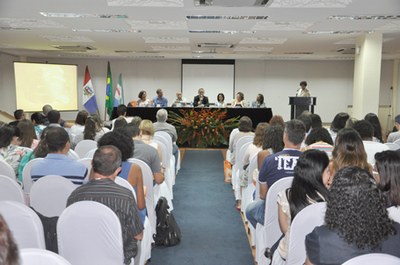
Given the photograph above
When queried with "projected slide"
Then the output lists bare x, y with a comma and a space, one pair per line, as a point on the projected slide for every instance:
214, 78
39, 84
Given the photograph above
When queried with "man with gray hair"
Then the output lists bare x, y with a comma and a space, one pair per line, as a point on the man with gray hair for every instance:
162, 125
106, 165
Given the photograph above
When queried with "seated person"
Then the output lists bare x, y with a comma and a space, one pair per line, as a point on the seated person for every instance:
131, 172
79, 125
239, 101
19, 115
245, 129
259, 103
38, 122
145, 152
142, 101
366, 131
320, 138
276, 167
201, 100
395, 135
179, 101
101, 188
220, 101
310, 185
160, 100
91, 132
46, 110
57, 162
121, 113
356, 221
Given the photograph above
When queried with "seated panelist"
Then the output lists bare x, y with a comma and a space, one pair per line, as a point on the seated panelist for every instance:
239, 101
201, 100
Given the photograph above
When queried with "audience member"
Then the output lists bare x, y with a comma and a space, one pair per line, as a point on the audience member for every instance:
119, 123
306, 119
160, 100
146, 135
99, 124
121, 114
145, 152
320, 138
356, 221
239, 101
348, 151
245, 129
101, 188
366, 131
277, 120
91, 132
136, 120
374, 120
259, 103
303, 90
201, 100
387, 175
163, 126
338, 123
277, 166
8, 248
79, 125
129, 171
272, 143
38, 122
316, 121
57, 162
27, 134
220, 101
46, 110
54, 118
310, 185
396, 134
10, 150
350, 122
19, 115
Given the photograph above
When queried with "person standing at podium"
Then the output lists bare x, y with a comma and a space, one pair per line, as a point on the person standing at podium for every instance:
201, 100
303, 91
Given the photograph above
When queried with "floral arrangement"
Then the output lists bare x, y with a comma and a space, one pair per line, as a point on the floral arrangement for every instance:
205, 127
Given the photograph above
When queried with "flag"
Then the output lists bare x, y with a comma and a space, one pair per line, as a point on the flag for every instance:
109, 92
89, 98
119, 93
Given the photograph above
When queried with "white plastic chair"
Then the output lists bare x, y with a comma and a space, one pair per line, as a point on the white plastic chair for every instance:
90, 233
373, 259
24, 224
392, 146
10, 190
124, 183
90, 154
27, 181
7, 170
238, 167
397, 142
394, 213
73, 155
270, 232
35, 256
84, 146
88, 164
231, 136
148, 183
49, 194
303, 224
165, 138
235, 168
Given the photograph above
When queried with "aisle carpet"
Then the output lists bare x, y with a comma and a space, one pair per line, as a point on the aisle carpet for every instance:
213, 231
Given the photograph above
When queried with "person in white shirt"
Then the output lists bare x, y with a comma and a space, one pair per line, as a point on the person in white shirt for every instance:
366, 131
395, 135
220, 101
303, 91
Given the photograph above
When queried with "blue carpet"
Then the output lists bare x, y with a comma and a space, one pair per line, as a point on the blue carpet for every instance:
212, 229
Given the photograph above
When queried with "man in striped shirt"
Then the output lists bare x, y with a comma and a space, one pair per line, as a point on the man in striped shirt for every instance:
106, 165
57, 162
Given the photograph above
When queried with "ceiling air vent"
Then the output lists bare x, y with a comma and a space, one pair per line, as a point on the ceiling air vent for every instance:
231, 3
74, 48
215, 45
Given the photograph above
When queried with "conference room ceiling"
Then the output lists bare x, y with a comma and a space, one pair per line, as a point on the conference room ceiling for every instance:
205, 29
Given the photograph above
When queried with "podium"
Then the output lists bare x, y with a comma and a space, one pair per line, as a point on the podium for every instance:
300, 104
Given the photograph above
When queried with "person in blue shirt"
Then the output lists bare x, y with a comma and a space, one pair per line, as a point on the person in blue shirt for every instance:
160, 100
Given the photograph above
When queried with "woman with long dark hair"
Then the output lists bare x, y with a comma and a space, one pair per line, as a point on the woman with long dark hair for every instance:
356, 221
374, 120
311, 176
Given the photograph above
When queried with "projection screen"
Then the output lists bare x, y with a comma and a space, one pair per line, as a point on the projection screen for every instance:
38, 84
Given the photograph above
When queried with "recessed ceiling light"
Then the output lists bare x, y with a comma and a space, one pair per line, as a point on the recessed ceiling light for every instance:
107, 30
151, 3
157, 24
56, 38
279, 26
253, 49
171, 48
81, 15
337, 32
166, 39
197, 17
251, 40
371, 17
19, 23
222, 31
310, 3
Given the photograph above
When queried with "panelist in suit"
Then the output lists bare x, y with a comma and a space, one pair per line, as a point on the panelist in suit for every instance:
200, 100
303, 91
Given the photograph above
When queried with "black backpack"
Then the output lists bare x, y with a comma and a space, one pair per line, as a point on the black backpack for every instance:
167, 231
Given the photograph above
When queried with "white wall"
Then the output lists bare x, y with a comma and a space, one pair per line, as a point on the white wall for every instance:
330, 81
